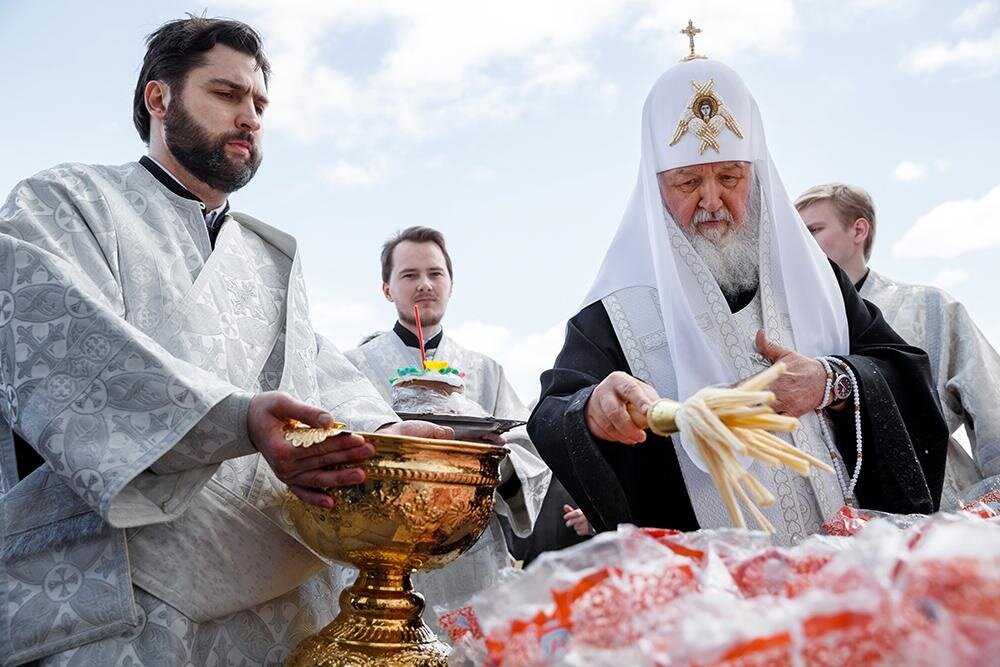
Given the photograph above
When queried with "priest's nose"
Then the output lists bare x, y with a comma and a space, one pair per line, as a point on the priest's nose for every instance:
710, 194
249, 119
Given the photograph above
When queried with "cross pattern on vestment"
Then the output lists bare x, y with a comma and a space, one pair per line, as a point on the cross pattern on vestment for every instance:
92, 399
691, 31
65, 579
124, 424
26, 273
39, 349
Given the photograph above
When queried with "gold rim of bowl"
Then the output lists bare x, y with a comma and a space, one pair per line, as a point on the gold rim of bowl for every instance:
460, 446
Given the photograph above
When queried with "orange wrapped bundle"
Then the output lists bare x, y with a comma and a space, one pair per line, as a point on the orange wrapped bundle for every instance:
844, 638
849, 520
950, 583
986, 507
781, 572
603, 611
597, 596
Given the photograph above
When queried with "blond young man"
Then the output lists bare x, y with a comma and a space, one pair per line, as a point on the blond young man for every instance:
964, 365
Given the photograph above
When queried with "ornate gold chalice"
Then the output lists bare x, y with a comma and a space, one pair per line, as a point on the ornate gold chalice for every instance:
423, 503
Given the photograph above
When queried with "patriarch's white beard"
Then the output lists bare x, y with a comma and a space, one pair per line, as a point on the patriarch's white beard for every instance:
734, 258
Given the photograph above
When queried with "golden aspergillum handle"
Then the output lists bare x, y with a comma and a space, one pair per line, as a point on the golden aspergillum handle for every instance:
660, 418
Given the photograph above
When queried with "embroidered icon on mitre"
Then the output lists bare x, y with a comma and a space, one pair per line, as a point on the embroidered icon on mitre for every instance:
706, 116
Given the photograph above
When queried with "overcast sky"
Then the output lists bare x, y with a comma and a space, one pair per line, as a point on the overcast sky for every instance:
513, 127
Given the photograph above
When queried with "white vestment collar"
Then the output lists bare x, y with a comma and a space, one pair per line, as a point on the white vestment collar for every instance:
210, 216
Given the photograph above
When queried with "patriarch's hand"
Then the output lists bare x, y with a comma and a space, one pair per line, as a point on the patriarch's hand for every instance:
607, 410
800, 388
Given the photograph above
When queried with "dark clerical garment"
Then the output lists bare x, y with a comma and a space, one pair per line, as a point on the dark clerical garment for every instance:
904, 435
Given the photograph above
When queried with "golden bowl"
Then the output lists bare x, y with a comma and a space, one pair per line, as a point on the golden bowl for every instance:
423, 503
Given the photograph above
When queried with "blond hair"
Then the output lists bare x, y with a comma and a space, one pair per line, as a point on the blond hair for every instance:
849, 201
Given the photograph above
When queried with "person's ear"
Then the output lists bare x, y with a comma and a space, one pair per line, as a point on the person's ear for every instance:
157, 97
861, 230
385, 292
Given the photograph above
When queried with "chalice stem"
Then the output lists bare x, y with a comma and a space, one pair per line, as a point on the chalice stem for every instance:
380, 622
385, 598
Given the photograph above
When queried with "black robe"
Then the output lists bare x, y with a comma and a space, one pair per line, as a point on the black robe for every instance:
905, 437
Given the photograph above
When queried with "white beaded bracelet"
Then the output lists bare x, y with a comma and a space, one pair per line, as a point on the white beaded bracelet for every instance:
846, 486
828, 391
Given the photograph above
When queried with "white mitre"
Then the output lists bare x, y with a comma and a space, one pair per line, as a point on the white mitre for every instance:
698, 112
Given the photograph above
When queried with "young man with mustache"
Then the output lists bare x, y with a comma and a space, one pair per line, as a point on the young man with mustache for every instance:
417, 271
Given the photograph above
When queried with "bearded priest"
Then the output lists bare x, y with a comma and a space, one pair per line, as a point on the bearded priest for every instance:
152, 346
711, 278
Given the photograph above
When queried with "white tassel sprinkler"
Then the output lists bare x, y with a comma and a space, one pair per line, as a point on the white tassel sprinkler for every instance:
723, 422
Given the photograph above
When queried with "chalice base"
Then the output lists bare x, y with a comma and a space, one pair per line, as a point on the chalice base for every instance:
380, 623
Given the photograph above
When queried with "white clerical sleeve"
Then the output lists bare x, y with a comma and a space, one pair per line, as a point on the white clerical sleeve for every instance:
222, 434
99, 400
347, 393
969, 386
523, 507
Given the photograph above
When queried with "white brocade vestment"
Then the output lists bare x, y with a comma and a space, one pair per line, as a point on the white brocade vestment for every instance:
966, 373
153, 533
486, 384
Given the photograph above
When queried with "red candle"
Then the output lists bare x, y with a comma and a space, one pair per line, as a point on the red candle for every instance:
420, 336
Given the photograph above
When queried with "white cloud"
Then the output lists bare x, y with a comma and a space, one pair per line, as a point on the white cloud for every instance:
523, 357
978, 56
434, 162
766, 26
975, 15
844, 15
907, 171
490, 339
345, 323
861, 6
481, 174
439, 65
347, 174
950, 277
953, 228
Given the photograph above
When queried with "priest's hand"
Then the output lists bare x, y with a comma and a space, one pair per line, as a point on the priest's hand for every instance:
418, 429
607, 409
800, 388
305, 470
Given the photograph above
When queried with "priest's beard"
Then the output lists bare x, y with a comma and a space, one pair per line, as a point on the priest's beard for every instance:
733, 257
427, 319
204, 154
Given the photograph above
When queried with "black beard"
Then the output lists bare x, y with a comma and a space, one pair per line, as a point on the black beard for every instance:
203, 155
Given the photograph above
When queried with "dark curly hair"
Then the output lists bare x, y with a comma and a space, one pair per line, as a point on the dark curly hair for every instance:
177, 47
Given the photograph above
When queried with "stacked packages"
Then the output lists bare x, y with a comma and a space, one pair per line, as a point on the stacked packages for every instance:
879, 590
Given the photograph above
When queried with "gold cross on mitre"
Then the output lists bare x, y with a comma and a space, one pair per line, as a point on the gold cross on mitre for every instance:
691, 31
